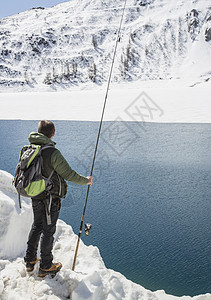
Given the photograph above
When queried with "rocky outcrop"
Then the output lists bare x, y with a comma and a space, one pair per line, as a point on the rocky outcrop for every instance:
208, 29
193, 23
144, 2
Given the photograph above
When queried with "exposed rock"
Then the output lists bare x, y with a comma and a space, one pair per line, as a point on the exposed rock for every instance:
144, 2
193, 23
208, 29
208, 34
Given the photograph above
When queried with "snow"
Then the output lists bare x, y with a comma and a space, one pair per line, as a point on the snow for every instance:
91, 279
162, 47
170, 104
53, 47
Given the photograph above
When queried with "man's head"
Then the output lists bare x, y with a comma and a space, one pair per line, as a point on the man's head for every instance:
47, 128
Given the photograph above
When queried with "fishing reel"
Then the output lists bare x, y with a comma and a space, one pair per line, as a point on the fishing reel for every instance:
87, 228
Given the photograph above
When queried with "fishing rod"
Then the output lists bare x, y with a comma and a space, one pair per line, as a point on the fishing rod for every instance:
97, 142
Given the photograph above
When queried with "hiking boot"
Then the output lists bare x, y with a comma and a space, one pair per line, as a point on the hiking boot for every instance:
55, 267
30, 265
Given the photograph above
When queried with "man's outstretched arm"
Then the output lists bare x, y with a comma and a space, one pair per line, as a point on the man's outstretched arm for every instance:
61, 166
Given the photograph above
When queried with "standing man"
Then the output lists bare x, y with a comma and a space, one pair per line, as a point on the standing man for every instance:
53, 163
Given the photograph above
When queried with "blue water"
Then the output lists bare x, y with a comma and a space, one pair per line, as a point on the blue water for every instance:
150, 204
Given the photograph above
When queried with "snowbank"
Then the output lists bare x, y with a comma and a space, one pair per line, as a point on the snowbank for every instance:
127, 102
14, 223
91, 281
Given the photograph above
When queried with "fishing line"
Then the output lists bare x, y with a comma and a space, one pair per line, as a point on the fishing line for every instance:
98, 136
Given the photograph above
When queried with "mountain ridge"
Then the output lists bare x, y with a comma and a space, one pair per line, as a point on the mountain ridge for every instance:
72, 43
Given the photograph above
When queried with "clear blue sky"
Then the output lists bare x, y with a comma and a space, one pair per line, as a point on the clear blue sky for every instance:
11, 7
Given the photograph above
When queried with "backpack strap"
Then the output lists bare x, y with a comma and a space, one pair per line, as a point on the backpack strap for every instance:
47, 203
45, 146
19, 199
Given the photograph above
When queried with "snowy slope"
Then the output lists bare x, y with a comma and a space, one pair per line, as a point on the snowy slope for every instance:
72, 43
91, 281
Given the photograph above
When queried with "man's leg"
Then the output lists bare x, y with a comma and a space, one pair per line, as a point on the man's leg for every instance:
47, 238
36, 230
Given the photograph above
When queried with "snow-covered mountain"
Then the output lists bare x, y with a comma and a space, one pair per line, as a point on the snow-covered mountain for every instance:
91, 281
72, 43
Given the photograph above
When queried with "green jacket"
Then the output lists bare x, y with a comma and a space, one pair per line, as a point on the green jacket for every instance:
54, 160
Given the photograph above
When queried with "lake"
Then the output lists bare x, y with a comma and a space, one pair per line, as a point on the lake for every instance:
150, 202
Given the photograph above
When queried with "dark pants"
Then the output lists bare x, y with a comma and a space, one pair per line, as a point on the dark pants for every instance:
41, 229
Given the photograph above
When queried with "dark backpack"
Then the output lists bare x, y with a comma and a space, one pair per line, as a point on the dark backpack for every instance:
29, 181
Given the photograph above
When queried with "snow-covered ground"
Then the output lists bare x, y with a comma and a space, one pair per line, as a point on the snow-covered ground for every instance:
128, 102
91, 279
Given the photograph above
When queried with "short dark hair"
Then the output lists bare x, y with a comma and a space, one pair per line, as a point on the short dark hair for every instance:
47, 128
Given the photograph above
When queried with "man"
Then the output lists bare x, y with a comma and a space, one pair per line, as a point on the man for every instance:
52, 160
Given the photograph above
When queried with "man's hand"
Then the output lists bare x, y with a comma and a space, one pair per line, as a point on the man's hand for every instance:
90, 180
